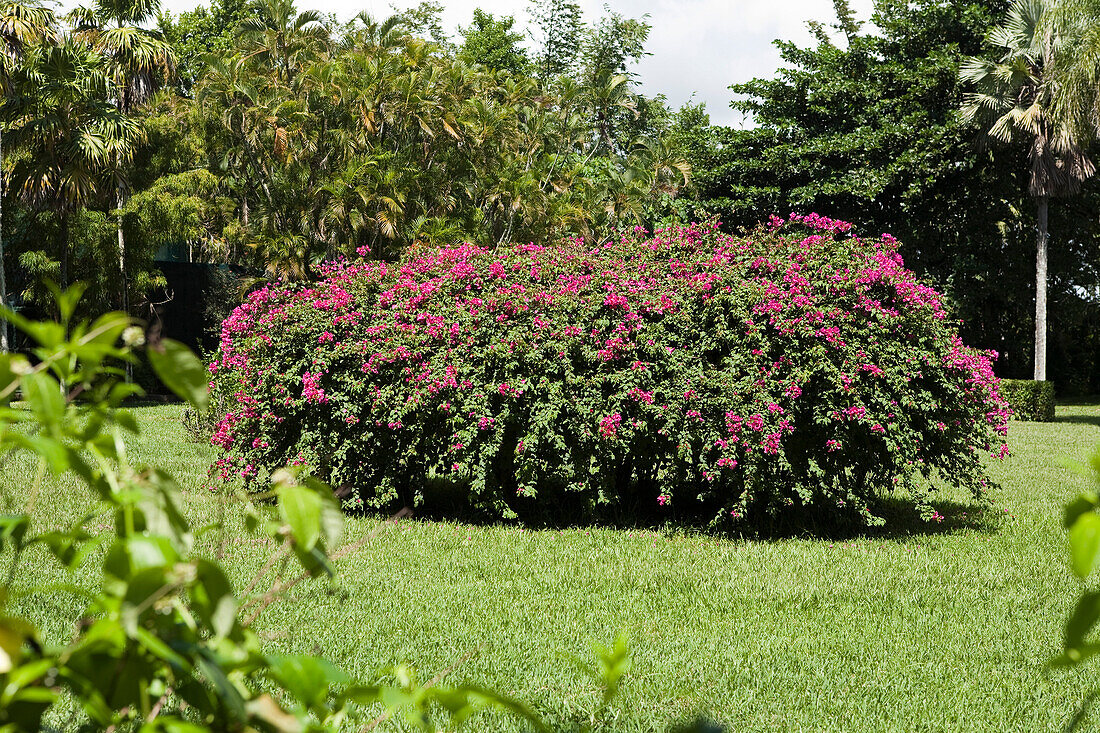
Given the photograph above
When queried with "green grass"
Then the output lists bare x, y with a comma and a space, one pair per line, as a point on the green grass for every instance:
940, 630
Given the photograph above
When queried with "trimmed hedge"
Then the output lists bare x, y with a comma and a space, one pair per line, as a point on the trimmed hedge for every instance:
1029, 400
685, 374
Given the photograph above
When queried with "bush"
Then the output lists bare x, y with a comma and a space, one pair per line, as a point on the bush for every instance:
797, 370
1028, 399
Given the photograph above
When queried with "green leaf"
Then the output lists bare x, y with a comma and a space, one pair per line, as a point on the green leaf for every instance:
69, 547
66, 299
13, 528
12, 369
1084, 543
43, 393
212, 598
1077, 507
162, 514
1084, 617
226, 691
167, 724
300, 507
360, 695
142, 588
13, 633
503, 702
307, 678
131, 555
156, 646
181, 371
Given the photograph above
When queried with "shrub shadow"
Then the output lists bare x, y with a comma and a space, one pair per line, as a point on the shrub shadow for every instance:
1079, 419
901, 522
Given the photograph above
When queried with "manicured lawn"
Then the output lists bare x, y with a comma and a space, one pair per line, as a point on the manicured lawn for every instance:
937, 629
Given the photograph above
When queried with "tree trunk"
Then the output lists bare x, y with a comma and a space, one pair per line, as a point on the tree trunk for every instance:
1041, 292
63, 247
122, 255
122, 271
5, 346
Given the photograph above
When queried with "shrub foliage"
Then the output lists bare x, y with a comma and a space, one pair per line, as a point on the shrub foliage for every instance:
1029, 400
798, 369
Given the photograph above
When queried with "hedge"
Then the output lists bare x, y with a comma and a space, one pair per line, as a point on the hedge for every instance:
1029, 400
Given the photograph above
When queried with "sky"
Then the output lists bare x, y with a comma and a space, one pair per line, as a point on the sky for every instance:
698, 47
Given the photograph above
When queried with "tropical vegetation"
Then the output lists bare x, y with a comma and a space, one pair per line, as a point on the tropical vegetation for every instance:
477, 274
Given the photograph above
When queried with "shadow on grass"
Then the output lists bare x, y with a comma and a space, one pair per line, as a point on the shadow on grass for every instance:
901, 522
1079, 419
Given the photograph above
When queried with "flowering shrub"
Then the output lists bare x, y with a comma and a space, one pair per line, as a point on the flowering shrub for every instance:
799, 369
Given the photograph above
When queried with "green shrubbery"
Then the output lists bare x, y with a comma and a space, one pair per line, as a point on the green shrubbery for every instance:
795, 370
1029, 400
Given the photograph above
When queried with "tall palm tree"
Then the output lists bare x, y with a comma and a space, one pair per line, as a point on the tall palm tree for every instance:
22, 24
1016, 91
138, 63
609, 93
71, 130
228, 93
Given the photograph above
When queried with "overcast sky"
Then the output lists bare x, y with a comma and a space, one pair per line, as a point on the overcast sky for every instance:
698, 46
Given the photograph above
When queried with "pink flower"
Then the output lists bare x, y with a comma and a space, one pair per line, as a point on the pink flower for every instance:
609, 425
855, 411
311, 390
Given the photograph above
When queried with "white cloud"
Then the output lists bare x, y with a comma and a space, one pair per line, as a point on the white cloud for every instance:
697, 46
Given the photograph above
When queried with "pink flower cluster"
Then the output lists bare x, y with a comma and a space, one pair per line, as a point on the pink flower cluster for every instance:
609, 425
311, 389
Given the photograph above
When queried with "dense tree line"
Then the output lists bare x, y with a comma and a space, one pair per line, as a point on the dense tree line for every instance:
865, 125
255, 133
281, 138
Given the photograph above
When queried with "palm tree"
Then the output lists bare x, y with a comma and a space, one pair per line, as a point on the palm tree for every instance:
1016, 91
1077, 75
139, 62
375, 37
73, 134
22, 24
228, 93
282, 39
609, 93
